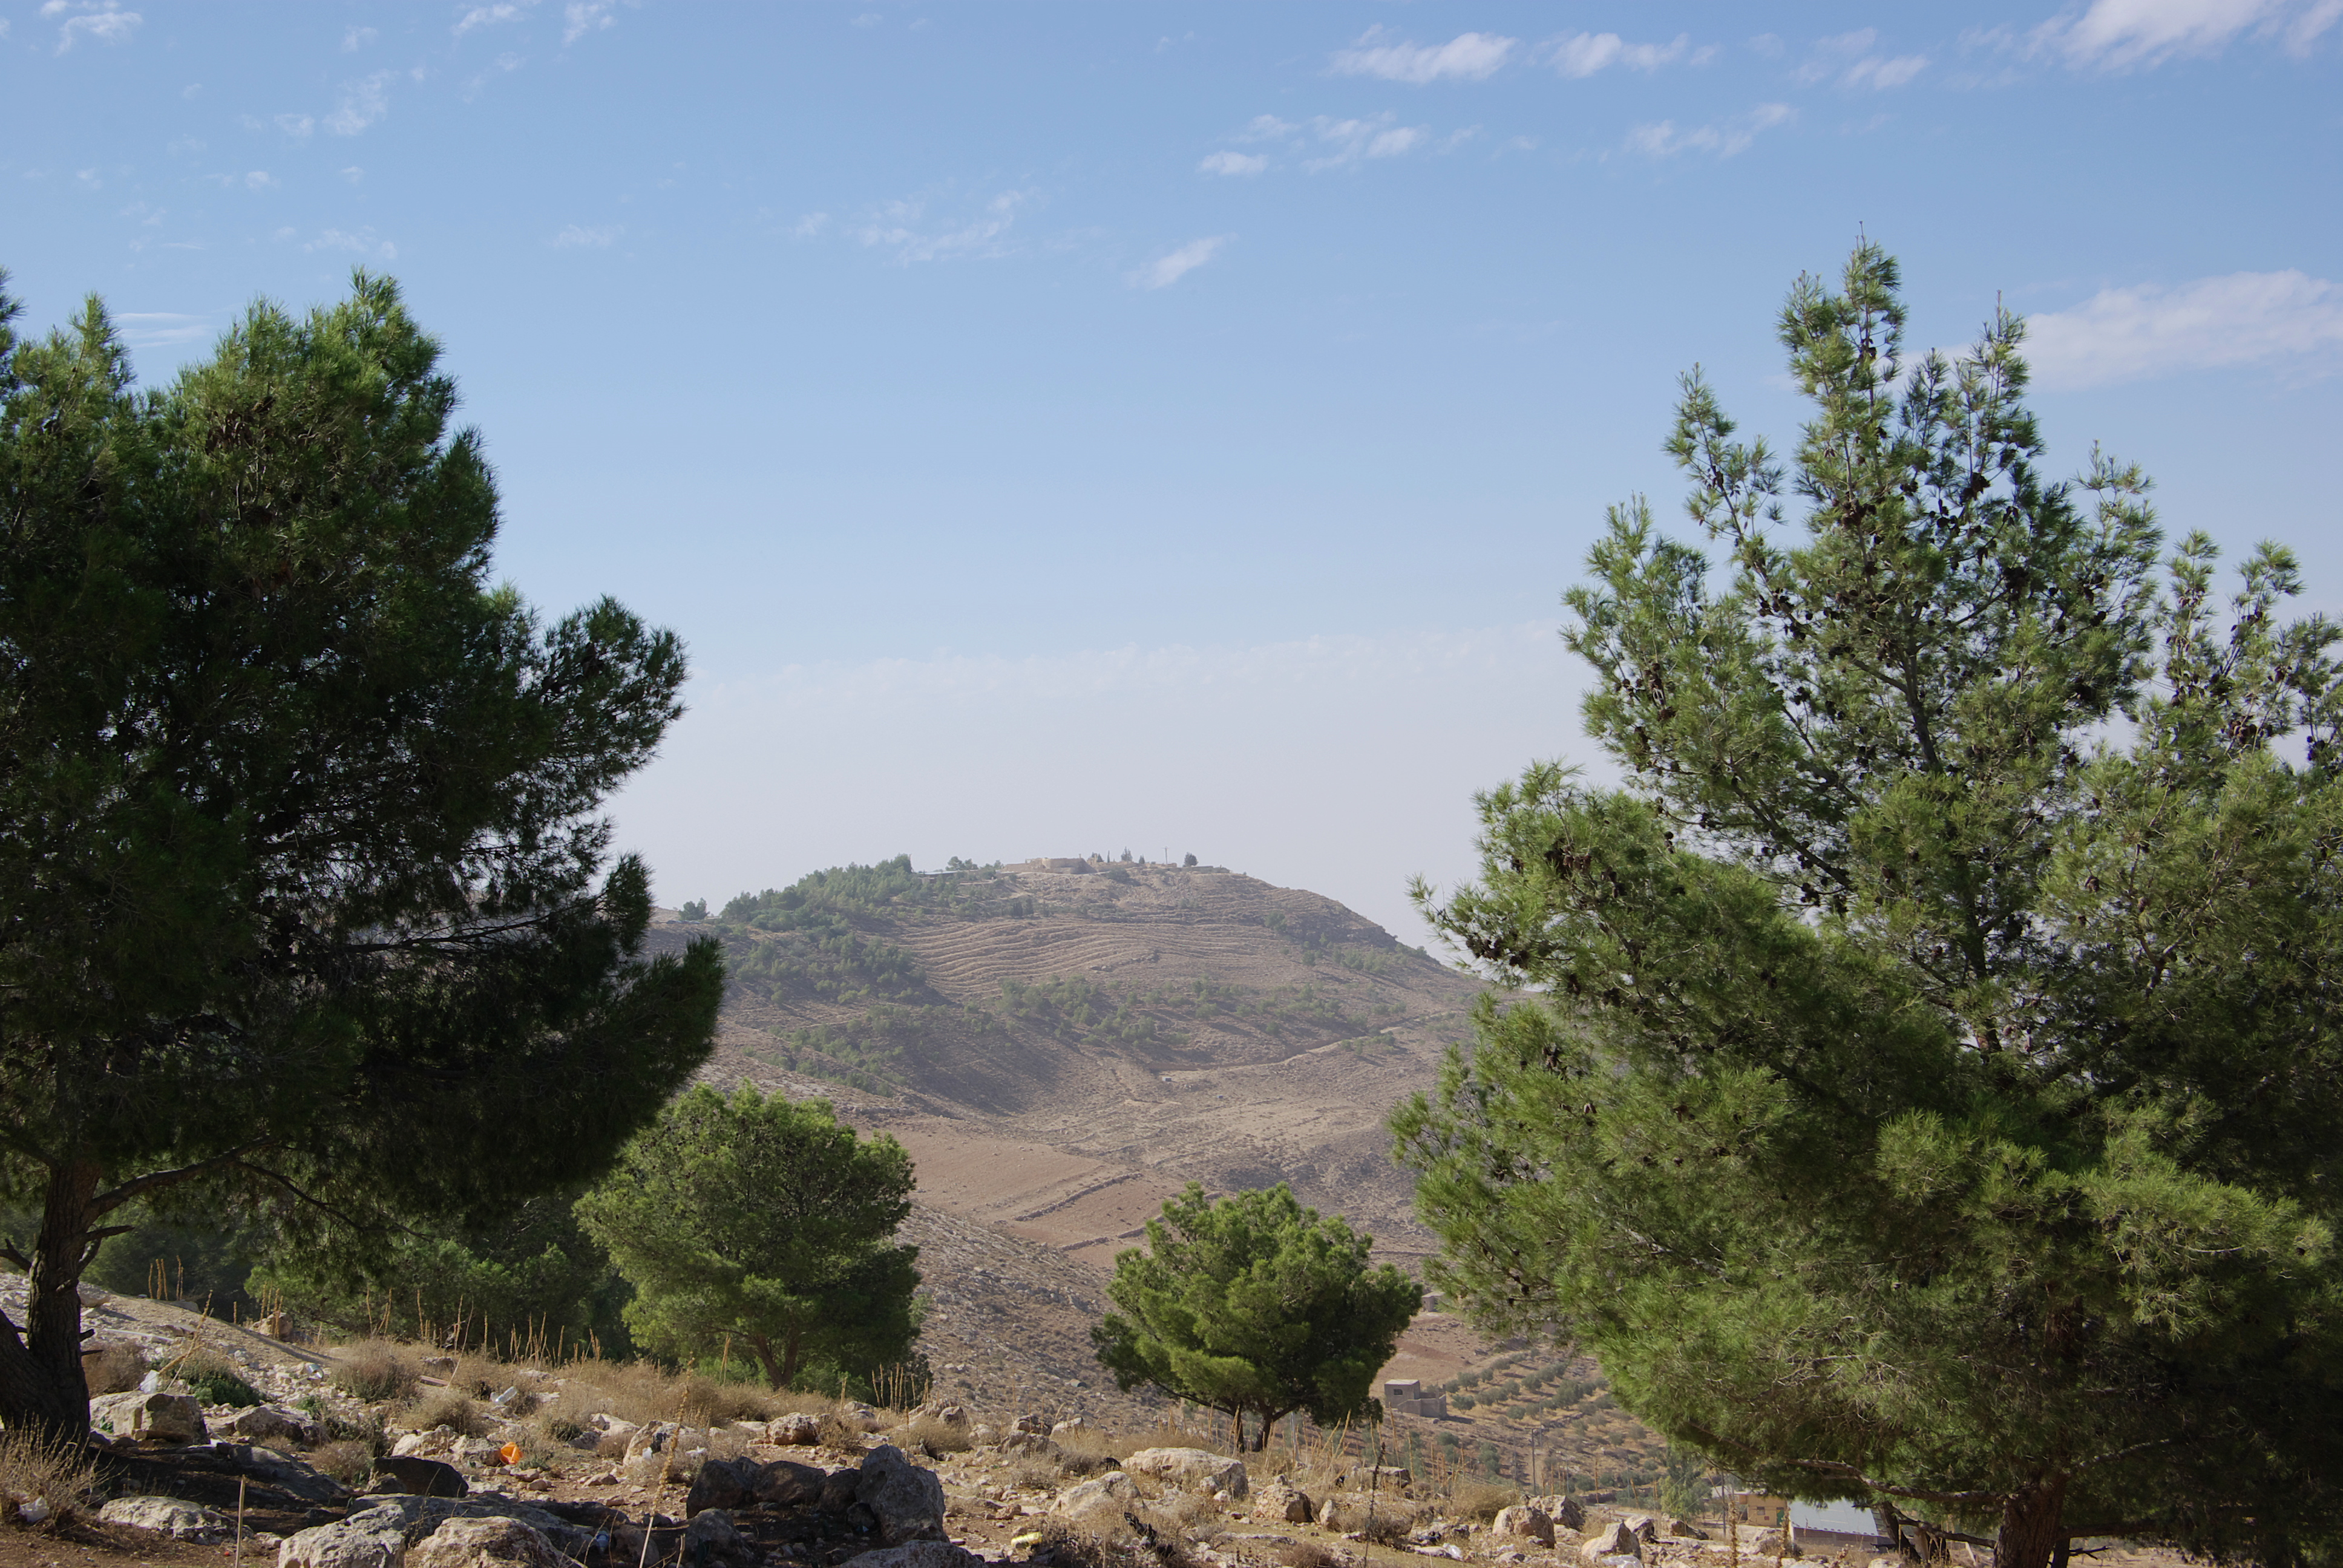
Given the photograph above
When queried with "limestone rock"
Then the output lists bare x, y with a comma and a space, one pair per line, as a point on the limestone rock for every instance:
1098, 1506
1523, 1523
1567, 1513
1028, 1443
721, 1483
795, 1430
1613, 1540
1771, 1542
154, 1417
484, 1543
907, 1501
917, 1554
1684, 1530
1190, 1470
269, 1424
170, 1516
1646, 1528
380, 1537
1037, 1425
1279, 1504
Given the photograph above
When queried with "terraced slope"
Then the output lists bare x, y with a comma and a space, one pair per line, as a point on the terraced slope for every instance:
1062, 1050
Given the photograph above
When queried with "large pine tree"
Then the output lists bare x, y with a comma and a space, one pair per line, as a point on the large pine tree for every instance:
1922, 1080
303, 886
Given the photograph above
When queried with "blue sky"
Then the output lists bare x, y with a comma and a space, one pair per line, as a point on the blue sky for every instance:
1066, 427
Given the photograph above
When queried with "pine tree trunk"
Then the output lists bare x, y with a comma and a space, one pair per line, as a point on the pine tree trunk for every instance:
2032, 1525
41, 1383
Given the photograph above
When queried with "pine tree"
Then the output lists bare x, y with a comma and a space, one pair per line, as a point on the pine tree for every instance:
1253, 1305
1920, 1080
304, 898
767, 1222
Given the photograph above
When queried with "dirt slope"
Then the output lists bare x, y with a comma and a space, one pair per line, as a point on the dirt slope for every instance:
1062, 1051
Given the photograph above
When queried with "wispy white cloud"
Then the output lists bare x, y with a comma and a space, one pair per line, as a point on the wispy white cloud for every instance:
579, 236
101, 20
363, 243
2126, 34
1168, 269
1228, 163
580, 17
1725, 138
298, 127
360, 104
503, 64
1467, 57
161, 328
1882, 73
493, 16
354, 174
260, 180
1344, 143
358, 38
1581, 54
812, 227
904, 228
2244, 318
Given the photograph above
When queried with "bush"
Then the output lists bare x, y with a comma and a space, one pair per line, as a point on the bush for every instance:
348, 1460
212, 1378
374, 1371
448, 1409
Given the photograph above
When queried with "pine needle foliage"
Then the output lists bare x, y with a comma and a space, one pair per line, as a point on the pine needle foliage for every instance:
1918, 1080
305, 894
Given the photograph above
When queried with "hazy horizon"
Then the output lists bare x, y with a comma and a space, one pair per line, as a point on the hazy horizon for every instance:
1062, 428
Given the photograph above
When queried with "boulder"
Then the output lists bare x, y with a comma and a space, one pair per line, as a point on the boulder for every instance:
380, 1537
170, 1516
1067, 1427
785, 1483
418, 1476
712, 1534
1098, 1506
1684, 1530
1028, 1443
722, 1484
1646, 1528
800, 1430
1773, 1543
479, 1542
917, 1554
1279, 1504
1567, 1513
1039, 1425
269, 1424
838, 1488
906, 1501
1523, 1523
154, 1417
1190, 1470
1613, 1540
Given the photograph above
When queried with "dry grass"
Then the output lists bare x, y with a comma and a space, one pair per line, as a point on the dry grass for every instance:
374, 1371
61, 1475
348, 1460
1305, 1554
1479, 1500
1385, 1518
446, 1407
113, 1367
934, 1438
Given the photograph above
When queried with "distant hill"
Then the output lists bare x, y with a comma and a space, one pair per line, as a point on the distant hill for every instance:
1063, 1044
1064, 1049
